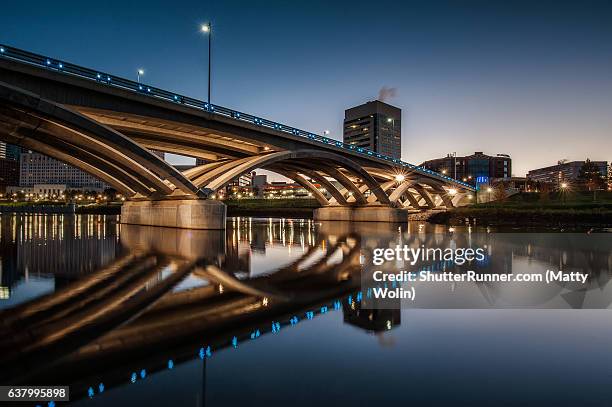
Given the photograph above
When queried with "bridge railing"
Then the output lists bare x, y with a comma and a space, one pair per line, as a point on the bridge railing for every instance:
151, 91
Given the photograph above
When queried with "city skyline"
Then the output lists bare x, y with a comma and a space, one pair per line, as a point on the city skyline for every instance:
529, 80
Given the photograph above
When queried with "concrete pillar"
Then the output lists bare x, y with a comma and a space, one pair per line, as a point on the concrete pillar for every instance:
175, 213
185, 243
361, 214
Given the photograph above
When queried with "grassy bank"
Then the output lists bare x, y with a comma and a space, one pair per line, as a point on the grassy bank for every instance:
286, 208
100, 209
533, 209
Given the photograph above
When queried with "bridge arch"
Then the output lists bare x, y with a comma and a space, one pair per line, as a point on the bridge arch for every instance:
313, 163
60, 132
412, 191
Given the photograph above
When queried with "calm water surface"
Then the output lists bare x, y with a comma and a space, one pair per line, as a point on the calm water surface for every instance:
270, 312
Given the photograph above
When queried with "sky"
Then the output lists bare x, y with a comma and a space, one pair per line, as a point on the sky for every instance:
532, 79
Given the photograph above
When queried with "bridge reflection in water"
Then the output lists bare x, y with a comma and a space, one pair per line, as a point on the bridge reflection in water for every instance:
136, 300
166, 290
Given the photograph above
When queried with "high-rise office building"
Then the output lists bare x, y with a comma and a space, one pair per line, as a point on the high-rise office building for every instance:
9, 166
13, 152
376, 126
9, 173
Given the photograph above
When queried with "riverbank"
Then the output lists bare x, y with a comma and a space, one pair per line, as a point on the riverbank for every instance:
532, 209
286, 208
276, 208
60, 208
524, 210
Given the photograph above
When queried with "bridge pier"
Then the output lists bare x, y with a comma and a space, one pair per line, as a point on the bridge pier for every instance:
361, 214
175, 213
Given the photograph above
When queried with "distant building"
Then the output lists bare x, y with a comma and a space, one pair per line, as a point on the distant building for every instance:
376, 126
259, 183
35, 168
240, 186
564, 172
49, 190
477, 168
9, 173
260, 180
281, 189
241, 181
519, 184
9, 165
13, 152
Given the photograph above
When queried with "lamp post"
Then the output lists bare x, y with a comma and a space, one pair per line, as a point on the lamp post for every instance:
207, 28
139, 72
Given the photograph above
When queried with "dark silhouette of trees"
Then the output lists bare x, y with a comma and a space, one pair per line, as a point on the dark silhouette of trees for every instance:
590, 178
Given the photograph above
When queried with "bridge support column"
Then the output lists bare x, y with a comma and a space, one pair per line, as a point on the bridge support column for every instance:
361, 214
175, 213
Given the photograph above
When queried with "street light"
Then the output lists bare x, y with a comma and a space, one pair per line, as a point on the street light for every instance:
207, 28
140, 72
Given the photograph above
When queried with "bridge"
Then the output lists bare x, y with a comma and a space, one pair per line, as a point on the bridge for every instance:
106, 125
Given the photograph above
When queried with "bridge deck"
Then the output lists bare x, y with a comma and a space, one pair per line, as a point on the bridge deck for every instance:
224, 129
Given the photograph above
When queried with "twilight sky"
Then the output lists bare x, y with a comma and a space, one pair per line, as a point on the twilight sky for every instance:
531, 79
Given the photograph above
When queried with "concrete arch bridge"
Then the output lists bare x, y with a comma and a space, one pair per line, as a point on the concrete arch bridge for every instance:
107, 125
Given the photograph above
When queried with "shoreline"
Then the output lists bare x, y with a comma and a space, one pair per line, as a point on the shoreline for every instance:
524, 217
484, 216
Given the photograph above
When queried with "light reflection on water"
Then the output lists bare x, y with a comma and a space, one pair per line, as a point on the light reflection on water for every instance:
134, 298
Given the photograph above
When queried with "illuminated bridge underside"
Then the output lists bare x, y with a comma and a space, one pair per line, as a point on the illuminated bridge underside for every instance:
354, 185
106, 126
230, 154
61, 133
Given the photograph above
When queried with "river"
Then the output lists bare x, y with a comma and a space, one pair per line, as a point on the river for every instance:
274, 312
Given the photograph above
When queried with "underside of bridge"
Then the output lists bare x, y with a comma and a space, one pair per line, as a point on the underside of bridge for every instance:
115, 147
